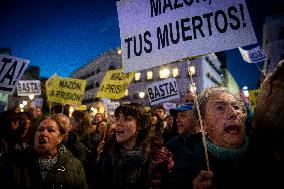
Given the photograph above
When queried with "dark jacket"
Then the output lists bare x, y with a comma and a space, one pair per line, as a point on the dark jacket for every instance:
176, 145
245, 172
117, 171
21, 171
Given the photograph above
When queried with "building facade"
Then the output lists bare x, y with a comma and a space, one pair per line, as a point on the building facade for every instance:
206, 72
273, 41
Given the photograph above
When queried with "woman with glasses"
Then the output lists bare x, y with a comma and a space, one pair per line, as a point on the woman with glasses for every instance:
228, 161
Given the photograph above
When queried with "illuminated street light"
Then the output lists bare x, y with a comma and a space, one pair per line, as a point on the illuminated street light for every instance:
21, 106
119, 51
141, 95
31, 97
25, 102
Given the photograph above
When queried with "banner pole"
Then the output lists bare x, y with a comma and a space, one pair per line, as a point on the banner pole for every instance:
200, 121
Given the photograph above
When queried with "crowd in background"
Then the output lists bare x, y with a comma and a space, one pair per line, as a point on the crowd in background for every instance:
207, 146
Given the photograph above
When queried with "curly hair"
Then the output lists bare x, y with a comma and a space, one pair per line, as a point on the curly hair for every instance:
63, 128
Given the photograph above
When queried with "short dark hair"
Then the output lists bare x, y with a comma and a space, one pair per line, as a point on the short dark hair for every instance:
160, 106
140, 114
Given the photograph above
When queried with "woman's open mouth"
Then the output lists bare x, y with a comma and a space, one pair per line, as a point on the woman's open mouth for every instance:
42, 141
232, 129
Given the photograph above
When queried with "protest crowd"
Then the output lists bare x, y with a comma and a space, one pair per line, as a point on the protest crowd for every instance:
212, 139
203, 143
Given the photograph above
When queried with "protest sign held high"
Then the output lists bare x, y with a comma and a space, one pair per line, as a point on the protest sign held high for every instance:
65, 90
11, 70
28, 87
253, 55
163, 91
115, 84
157, 32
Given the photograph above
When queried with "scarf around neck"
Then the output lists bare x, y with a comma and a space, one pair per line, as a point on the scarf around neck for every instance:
46, 165
228, 154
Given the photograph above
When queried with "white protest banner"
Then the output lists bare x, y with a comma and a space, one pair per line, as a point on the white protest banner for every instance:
157, 32
11, 70
28, 87
254, 55
163, 91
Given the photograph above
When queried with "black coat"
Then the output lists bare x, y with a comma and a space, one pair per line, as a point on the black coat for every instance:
247, 172
21, 171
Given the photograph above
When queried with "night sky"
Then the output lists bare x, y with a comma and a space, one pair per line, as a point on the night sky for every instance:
60, 36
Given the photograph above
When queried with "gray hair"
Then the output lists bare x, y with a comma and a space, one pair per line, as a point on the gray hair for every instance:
205, 96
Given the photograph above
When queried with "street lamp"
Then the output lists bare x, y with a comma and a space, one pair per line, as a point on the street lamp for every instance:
25, 102
119, 51
141, 95
31, 97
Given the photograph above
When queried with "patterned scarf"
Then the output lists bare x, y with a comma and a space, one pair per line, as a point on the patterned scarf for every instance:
128, 166
46, 165
228, 154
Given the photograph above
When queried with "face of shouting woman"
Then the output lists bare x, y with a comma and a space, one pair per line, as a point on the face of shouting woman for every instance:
225, 120
47, 138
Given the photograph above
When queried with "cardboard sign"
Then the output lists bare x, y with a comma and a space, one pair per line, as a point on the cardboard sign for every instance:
115, 84
28, 87
163, 91
65, 90
157, 32
11, 70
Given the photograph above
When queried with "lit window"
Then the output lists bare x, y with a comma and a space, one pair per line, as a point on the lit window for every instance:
164, 73
191, 70
175, 72
149, 75
192, 88
137, 76
126, 92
